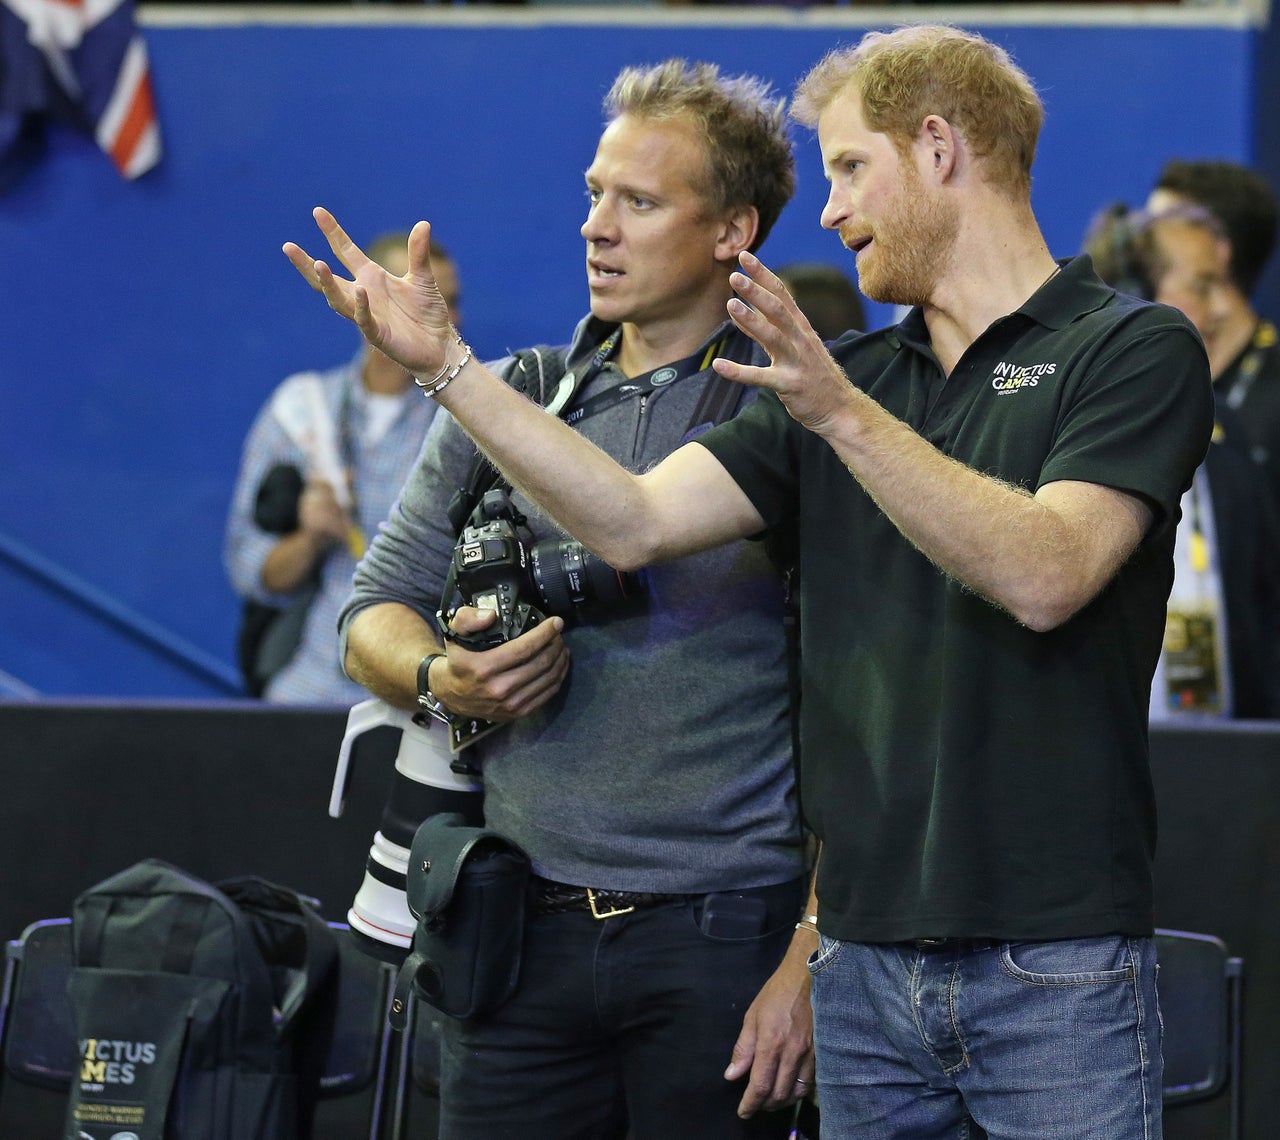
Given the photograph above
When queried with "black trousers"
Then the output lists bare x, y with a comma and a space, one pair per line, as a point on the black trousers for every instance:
621, 1027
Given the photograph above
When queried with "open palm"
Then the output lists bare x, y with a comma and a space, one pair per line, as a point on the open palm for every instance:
405, 317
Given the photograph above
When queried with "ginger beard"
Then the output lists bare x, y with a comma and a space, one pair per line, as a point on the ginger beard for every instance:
912, 244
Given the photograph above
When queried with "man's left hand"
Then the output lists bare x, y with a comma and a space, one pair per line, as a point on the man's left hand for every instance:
775, 1046
812, 386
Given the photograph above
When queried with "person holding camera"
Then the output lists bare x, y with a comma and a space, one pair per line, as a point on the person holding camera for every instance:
1244, 350
986, 496
1221, 651
644, 759
320, 468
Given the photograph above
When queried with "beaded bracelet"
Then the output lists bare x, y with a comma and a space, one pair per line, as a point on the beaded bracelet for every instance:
442, 379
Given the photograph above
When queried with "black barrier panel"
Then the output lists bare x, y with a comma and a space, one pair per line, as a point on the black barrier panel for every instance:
1218, 804
230, 789
218, 789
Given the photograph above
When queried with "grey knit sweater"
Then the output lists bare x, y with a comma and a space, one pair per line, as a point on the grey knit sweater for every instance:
663, 764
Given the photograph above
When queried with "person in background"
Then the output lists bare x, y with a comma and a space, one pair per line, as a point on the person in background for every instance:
321, 467
1221, 653
828, 299
987, 495
662, 988
1244, 350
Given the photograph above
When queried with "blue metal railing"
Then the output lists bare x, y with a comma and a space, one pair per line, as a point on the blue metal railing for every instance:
11, 686
110, 611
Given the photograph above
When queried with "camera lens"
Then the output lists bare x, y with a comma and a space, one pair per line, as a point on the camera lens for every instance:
569, 577
424, 783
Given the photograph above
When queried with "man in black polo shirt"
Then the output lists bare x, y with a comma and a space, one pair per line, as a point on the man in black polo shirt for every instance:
986, 498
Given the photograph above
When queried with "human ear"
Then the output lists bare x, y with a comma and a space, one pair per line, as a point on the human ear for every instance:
738, 229
941, 142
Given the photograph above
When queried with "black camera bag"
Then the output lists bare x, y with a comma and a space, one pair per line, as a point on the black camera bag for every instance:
467, 887
197, 1010
269, 636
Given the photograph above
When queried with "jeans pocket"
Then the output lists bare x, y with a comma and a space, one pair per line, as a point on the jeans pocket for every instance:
827, 952
1070, 961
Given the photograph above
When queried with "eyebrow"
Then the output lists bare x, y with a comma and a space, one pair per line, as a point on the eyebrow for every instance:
843, 155
629, 190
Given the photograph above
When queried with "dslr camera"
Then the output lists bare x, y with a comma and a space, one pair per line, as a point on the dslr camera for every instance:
525, 582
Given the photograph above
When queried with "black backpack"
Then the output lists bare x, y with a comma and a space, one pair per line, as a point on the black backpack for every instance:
201, 1012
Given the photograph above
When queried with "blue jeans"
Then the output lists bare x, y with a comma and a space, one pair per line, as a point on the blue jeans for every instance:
620, 1027
1020, 1041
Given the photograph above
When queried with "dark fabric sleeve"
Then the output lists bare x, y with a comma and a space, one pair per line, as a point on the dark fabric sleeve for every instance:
1142, 414
759, 450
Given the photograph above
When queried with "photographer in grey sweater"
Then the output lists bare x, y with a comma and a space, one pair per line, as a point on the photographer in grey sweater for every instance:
644, 759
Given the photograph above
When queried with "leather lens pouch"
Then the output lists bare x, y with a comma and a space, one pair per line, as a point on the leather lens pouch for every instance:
467, 887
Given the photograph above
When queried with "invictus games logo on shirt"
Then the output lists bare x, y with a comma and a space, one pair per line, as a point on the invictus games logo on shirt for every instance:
106, 1063
1014, 377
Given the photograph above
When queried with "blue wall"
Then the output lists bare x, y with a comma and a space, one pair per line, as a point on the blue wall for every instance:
143, 324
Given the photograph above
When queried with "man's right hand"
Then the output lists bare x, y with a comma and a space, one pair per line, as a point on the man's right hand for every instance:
506, 682
404, 317
320, 516
322, 525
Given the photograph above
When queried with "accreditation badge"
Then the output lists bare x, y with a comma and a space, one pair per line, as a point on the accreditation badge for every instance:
1193, 671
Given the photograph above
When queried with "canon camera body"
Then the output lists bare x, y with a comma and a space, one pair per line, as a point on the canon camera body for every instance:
495, 566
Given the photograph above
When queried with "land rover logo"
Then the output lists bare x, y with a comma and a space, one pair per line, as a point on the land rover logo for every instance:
662, 376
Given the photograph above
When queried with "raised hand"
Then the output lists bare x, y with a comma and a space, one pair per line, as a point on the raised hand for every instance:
813, 387
405, 317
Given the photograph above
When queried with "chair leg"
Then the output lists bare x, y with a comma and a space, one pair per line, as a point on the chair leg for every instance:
1235, 984
404, 1059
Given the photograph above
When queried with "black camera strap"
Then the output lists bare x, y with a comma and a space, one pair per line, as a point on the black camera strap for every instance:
530, 374
536, 368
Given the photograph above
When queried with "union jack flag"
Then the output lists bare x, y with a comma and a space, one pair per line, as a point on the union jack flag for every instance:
82, 61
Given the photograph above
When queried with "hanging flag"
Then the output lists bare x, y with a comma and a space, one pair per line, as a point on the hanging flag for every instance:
81, 61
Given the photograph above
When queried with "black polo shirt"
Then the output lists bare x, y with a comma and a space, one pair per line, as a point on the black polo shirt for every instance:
968, 776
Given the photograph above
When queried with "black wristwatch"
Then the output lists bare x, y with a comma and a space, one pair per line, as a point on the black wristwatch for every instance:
427, 700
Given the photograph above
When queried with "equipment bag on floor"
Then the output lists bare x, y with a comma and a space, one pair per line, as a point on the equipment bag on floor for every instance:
192, 1006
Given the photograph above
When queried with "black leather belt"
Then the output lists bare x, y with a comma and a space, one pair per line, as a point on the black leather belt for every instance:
782, 901
930, 944
550, 897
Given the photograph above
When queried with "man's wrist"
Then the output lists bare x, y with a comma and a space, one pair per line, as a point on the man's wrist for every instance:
457, 355
427, 699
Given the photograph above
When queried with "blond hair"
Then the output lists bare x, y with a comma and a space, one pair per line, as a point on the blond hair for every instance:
905, 75
742, 124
